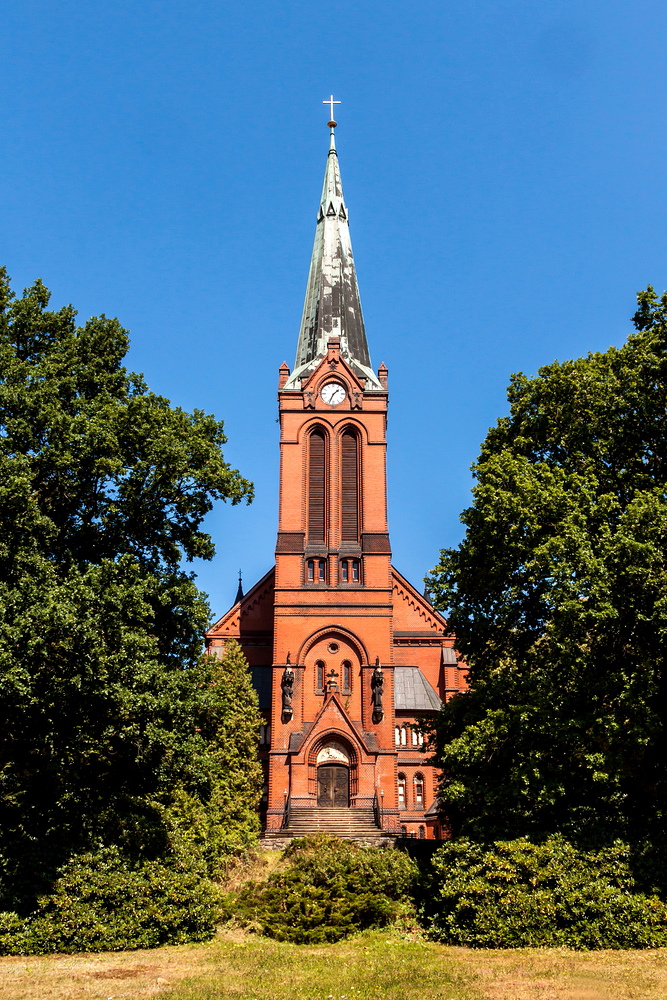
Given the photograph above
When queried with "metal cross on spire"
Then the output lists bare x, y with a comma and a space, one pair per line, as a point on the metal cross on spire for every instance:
331, 102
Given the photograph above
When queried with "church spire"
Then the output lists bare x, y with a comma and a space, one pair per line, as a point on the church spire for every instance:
332, 307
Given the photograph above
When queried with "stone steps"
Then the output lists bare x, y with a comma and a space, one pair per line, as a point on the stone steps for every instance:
353, 824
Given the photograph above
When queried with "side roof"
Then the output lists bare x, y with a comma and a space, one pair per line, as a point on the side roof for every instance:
413, 692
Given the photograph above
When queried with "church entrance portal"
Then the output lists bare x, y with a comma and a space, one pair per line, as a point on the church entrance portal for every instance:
333, 786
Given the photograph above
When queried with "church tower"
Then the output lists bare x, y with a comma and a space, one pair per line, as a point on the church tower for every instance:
345, 654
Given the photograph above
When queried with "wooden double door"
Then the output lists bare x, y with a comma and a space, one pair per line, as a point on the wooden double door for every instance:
333, 786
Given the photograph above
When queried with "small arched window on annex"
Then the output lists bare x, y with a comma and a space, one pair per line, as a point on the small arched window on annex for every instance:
417, 737
349, 486
316, 520
401, 790
419, 790
400, 736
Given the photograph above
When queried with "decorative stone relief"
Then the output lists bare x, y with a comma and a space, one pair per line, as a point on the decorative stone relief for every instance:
333, 753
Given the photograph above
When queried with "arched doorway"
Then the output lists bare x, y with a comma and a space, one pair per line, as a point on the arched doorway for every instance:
333, 786
333, 776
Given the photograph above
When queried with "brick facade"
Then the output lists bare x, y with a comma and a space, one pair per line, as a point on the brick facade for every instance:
346, 655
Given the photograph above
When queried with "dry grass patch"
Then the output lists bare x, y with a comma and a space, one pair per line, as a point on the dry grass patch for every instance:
121, 975
375, 965
235, 966
552, 974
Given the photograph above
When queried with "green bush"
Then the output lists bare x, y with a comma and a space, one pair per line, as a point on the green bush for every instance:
101, 903
514, 894
327, 889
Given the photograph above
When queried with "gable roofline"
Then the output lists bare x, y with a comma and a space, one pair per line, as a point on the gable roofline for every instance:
317, 731
238, 605
420, 600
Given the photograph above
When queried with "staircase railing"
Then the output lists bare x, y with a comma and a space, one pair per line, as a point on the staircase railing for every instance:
286, 813
377, 812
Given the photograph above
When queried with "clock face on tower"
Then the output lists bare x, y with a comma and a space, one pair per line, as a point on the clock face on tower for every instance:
333, 393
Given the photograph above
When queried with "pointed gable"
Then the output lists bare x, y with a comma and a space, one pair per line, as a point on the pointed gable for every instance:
412, 612
253, 613
333, 719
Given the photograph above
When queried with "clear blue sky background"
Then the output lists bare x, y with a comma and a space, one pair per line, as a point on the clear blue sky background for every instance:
504, 167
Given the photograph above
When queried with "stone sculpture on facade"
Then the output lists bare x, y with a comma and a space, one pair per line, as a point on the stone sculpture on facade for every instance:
377, 689
287, 684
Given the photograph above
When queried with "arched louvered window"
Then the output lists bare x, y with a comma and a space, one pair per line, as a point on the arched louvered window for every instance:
350, 486
316, 486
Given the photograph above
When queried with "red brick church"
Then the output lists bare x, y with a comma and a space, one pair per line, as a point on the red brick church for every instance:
345, 653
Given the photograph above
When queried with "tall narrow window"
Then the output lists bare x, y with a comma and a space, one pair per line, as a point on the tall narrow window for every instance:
419, 791
349, 487
401, 791
316, 486
319, 667
347, 676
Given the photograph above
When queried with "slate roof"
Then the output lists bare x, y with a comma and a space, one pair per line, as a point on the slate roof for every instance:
412, 692
332, 307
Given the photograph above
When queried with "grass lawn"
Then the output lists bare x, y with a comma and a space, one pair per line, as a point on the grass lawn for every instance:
372, 966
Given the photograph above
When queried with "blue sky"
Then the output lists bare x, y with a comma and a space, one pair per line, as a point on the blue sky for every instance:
504, 167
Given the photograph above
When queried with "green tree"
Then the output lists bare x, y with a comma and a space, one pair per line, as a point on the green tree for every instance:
106, 707
219, 818
558, 598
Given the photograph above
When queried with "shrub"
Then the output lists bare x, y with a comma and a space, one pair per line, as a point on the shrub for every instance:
514, 894
327, 889
100, 903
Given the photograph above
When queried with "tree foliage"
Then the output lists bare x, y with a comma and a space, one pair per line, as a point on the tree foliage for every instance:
326, 889
558, 598
100, 902
516, 894
107, 713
